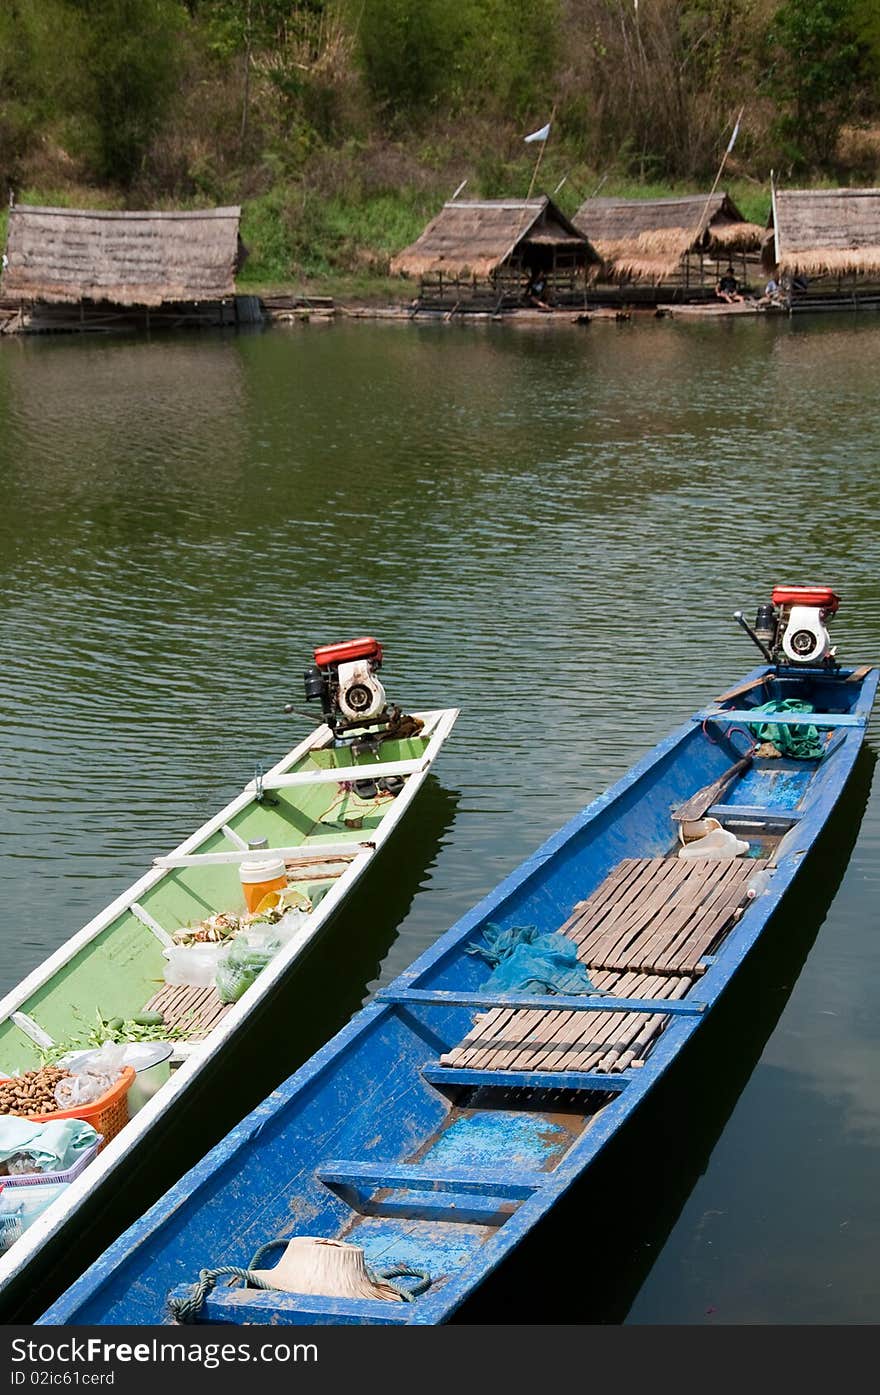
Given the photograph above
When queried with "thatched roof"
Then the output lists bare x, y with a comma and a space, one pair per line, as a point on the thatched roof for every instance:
475, 237
824, 232
69, 254
646, 239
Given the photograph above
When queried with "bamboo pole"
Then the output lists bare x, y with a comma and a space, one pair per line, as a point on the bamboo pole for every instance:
543, 145
718, 176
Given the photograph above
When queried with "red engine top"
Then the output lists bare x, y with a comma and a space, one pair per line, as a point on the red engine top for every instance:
820, 596
347, 651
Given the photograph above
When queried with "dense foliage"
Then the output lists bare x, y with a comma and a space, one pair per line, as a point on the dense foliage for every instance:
339, 123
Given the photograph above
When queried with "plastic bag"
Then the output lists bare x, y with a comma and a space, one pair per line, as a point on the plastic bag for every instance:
192, 966
273, 937
90, 1079
238, 969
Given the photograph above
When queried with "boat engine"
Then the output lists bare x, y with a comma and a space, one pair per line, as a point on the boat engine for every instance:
344, 680
791, 629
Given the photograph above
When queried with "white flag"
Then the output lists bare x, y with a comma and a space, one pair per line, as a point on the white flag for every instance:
538, 135
734, 136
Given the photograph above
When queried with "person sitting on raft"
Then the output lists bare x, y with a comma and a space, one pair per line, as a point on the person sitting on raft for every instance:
537, 289
728, 288
772, 294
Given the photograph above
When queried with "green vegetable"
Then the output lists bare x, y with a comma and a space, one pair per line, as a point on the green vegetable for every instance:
147, 1019
115, 1023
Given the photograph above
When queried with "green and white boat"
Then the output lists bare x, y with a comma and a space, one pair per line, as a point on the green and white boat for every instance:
310, 810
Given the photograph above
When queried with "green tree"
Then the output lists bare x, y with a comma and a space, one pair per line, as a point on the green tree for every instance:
814, 76
473, 55
132, 67
42, 58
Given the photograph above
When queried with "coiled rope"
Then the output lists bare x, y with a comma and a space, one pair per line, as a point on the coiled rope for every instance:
187, 1307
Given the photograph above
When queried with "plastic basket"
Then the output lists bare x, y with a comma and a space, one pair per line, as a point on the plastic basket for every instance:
34, 1179
107, 1114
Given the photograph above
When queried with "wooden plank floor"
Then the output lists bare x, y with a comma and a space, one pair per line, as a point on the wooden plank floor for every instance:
642, 934
658, 914
193, 1011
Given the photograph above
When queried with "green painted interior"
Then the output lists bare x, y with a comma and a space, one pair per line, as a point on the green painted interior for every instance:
121, 968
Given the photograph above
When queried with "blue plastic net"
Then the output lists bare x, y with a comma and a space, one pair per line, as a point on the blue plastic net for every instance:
527, 961
800, 742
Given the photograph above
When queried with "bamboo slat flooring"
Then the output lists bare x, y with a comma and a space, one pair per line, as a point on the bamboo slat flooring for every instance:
517, 1039
642, 934
193, 1011
659, 914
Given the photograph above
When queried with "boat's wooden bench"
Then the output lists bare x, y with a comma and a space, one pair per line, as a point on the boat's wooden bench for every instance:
194, 1012
643, 934
513, 1039
658, 914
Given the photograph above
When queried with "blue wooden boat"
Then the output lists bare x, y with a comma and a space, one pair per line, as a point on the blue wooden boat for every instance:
446, 1119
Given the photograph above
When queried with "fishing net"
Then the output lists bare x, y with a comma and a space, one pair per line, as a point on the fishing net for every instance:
798, 742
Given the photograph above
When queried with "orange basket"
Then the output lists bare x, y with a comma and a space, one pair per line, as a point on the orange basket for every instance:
107, 1114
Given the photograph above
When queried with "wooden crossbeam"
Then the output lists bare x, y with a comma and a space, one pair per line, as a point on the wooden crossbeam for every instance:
782, 719
299, 852
742, 688
243, 1306
754, 813
477, 1181
446, 1077
345, 774
540, 1002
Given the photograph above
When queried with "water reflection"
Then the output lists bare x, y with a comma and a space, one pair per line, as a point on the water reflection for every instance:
548, 530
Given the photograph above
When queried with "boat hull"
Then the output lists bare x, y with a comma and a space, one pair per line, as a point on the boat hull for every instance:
116, 961
401, 1137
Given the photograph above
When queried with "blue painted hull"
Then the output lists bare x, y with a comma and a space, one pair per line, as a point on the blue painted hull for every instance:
374, 1141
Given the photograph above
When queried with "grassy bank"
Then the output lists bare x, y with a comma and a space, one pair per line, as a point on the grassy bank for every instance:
342, 246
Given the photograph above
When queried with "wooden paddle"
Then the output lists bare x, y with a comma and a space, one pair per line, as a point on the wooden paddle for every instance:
696, 806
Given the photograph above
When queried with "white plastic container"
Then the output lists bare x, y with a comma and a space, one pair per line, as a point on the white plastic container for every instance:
260, 877
192, 966
21, 1206
759, 882
718, 846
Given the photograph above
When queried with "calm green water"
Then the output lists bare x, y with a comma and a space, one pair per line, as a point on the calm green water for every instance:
549, 529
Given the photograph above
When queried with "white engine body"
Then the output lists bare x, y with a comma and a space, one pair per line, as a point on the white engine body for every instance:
360, 695
806, 640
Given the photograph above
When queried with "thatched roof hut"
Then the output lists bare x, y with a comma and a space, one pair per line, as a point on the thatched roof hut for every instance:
824, 232
59, 255
647, 239
478, 237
